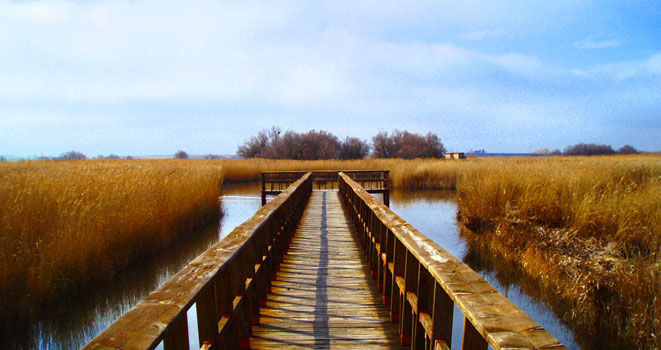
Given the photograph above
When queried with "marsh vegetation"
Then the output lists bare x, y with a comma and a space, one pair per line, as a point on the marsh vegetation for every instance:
67, 224
584, 230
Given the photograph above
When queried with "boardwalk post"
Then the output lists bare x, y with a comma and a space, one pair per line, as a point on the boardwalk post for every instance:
263, 189
386, 187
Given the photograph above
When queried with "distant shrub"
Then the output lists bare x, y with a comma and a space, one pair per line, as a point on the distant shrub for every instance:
72, 155
181, 155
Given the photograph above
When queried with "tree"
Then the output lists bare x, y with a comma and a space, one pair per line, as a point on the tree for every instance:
404, 144
319, 145
3, 159
292, 145
383, 146
181, 155
353, 148
72, 155
589, 149
627, 149
261, 146
324, 145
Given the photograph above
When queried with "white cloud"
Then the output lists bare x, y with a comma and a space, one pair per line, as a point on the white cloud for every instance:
597, 44
621, 71
52, 11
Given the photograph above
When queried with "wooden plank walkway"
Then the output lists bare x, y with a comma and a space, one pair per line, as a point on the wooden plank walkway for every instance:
323, 296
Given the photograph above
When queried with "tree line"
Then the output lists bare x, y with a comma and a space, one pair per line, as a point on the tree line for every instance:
273, 143
587, 149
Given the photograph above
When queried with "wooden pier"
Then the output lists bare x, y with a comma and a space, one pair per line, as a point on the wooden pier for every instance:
374, 181
321, 269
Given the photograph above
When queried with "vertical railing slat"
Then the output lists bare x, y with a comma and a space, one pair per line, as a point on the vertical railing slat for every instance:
207, 316
472, 339
176, 337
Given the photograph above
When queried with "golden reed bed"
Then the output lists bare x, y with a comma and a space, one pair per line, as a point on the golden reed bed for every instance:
66, 223
584, 229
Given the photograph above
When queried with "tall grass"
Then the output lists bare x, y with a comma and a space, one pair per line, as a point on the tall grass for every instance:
64, 224
587, 229
416, 173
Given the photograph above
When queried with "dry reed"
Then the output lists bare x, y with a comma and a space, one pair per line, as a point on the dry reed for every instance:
586, 229
416, 173
66, 223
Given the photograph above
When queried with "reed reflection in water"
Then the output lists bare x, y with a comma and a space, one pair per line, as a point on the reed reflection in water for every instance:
72, 323
433, 212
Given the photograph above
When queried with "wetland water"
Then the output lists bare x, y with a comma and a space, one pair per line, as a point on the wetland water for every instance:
72, 324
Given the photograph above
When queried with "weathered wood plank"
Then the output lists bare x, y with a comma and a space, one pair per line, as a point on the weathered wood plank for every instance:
322, 297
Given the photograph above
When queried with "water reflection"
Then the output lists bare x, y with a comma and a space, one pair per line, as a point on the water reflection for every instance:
433, 212
70, 324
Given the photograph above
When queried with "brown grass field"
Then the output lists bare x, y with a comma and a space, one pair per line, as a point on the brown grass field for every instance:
587, 230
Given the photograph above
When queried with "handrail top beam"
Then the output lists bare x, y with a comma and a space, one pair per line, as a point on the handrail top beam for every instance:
499, 321
325, 171
145, 325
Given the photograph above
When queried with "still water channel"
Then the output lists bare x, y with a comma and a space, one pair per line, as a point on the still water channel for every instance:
72, 324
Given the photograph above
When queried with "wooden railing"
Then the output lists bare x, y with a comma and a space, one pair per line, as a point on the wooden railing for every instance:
374, 181
228, 283
422, 282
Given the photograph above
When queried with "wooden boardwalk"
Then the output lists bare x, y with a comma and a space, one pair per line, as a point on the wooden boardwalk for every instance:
294, 276
323, 296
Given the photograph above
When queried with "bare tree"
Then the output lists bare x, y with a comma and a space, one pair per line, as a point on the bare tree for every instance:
264, 145
404, 144
353, 148
383, 146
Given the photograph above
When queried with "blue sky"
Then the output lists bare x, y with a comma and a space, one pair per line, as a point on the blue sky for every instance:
151, 77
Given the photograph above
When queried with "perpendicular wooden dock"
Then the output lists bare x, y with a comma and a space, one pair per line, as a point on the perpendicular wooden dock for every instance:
325, 269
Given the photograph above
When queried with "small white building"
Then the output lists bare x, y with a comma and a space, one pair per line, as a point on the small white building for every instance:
455, 155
